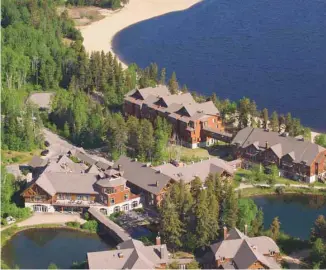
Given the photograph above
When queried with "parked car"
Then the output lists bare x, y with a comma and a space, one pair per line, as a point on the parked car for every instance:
10, 220
45, 152
46, 143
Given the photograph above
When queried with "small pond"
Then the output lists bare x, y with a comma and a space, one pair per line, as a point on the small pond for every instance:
296, 213
37, 248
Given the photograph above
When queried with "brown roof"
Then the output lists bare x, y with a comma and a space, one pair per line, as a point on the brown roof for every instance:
244, 251
142, 176
37, 162
131, 254
300, 151
200, 169
56, 182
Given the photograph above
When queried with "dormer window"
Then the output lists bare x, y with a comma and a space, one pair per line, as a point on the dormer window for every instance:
271, 252
222, 259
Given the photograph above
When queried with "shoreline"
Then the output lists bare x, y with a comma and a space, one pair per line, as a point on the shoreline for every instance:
99, 35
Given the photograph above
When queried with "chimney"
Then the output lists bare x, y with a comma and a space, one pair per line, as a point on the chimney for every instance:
225, 232
119, 167
158, 240
266, 144
120, 255
246, 229
157, 183
162, 252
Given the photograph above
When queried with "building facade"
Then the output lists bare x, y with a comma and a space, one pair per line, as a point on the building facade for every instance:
238, 251
68, 186
296, 158
193, 123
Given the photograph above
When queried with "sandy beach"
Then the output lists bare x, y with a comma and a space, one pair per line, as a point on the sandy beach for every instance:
98, 36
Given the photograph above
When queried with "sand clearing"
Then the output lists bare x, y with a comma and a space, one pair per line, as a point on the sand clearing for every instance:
98, 35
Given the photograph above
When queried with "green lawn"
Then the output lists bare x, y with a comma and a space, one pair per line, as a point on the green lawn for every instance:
12, 157
187, 154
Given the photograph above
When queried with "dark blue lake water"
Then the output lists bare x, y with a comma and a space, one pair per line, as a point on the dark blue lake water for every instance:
271, 51
37, 248
297, 213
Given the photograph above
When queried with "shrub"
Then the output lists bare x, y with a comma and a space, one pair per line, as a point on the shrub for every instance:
91, 226
86, 216
52, 266
73, 224
139, 210
4, 222
280, 190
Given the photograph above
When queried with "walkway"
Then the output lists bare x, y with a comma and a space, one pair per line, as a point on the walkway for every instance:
116, 231
243, 186
47, 218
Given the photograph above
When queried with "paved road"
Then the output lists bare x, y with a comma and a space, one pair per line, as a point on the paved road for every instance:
58, 146
47, 218
243, 186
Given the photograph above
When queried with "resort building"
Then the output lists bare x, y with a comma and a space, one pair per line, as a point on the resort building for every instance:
131, 254
238, 251
65, 185
195, 124
296, 158
152, 182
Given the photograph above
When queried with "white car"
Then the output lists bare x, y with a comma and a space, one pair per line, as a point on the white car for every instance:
10, 220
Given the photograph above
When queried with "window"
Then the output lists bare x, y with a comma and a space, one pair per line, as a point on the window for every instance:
126, 196
79, 197
126, 207
222, 259
60, 196
182, 266
214, 120
272, 252
134, 204
116, 209
86, 198
111, 201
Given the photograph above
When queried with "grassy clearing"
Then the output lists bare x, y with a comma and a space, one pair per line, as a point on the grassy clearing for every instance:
187, 154
13, 157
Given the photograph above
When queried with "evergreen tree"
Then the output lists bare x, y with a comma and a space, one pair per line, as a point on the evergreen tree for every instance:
184, 89
146, 140
274, 122
288, 122
213, 205
66, 131
247, 212
230, 209
265, 117
319, 229
196, 186
173, 84
202, 219
162, 77
171, 226
275, 229
258, 224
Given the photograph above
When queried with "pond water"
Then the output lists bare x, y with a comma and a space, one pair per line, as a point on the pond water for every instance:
37, 248
296, 213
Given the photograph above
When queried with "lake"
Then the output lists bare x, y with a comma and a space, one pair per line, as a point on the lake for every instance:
37, 248
271, 51
297, 213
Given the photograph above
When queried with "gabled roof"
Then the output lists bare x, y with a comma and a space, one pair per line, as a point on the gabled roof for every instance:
201, 169
142, 176
244, 251
103, 165
300, 151
131, 254
56, 182
93, 169
85, 158
160, 90
37, 162
234, 233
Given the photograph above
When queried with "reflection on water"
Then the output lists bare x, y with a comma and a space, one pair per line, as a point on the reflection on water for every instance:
297, 213
37, 248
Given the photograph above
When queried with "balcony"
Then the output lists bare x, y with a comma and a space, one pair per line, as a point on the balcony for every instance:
78, 203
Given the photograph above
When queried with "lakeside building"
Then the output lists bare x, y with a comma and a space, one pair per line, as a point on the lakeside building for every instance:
65, 185
195, 124
296, 158
238, 251
133, 254
153, 182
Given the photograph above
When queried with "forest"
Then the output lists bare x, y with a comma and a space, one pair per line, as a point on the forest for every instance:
36, 58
